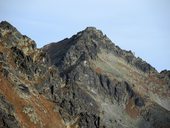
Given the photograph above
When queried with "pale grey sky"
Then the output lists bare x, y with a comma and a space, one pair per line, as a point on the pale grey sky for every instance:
142, 26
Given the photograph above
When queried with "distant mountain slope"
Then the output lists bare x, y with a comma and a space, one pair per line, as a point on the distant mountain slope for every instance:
85, 81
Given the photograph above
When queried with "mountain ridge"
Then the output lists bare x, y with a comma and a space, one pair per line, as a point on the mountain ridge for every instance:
108, 45
85, 81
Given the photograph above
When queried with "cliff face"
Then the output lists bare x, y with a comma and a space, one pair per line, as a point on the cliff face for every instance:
85, 81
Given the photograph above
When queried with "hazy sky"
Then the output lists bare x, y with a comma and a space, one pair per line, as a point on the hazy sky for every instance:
142, 26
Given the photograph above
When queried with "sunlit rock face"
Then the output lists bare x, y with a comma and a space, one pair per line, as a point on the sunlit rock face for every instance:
85, 81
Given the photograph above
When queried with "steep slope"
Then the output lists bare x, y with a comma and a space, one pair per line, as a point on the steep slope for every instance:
22, 70
85, 81
118, 89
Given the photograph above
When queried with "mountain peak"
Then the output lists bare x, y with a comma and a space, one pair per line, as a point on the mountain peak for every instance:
91, 42
92, 30
6, 25
93, 33
85, 43
11, 37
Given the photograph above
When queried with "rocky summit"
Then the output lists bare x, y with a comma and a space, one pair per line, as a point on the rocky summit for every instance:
85, 81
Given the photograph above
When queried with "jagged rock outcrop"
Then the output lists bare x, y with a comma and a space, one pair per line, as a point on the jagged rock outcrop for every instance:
22, 71
7, 119
85, 81
91, 62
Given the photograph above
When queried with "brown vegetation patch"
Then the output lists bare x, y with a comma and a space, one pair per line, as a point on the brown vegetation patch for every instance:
43, 108
17, 103
132, 110
154, 78
165, 126
98, 70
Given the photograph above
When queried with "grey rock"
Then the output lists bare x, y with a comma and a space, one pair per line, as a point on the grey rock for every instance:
5, 72
89, 121
24, 89
139, 101
157, 117
24, 63
2, 57
7, 118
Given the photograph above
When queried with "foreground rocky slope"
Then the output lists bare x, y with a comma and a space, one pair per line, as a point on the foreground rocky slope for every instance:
85, 81
22, 70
